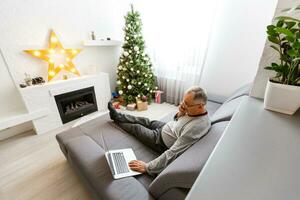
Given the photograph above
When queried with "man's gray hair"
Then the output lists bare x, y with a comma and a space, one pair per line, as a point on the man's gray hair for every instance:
199, 94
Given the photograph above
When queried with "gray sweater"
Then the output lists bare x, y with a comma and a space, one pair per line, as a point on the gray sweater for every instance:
178, 136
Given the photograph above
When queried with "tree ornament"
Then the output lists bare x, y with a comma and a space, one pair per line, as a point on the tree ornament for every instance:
129, 87
123, 77
131, 69
127, 80
126, 54
145, 84
136, 48
120, 67
138, 71
118, 82
120, 92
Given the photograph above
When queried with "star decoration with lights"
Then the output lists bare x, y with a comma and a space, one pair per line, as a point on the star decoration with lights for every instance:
57, 57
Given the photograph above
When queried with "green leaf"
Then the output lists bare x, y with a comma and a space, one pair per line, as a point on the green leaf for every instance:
292, 53
296, 45
271, 27
290, 39
290, 24
273, 39
285, 31
272, 33
280, 23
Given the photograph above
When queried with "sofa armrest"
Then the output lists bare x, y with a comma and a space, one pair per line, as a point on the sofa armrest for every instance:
184, 170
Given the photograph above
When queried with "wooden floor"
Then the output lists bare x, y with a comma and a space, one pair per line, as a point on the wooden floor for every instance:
33, 167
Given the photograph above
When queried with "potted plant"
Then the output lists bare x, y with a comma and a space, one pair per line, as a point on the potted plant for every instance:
283, 91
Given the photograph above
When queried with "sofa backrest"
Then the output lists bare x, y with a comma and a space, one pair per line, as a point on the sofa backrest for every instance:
183, 171
227, 109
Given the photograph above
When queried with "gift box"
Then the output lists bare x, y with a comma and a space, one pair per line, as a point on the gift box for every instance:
116, 104
141, 105
131, 106
158, 96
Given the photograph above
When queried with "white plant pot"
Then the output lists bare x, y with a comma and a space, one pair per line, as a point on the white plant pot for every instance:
282, 98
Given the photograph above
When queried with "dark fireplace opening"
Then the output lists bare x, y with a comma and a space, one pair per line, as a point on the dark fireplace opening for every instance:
75, 104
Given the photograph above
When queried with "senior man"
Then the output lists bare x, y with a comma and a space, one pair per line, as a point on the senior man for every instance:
169, 139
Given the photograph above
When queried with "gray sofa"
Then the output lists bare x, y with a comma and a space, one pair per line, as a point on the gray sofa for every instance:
83, 148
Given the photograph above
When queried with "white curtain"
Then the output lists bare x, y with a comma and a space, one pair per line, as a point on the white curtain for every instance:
177, 34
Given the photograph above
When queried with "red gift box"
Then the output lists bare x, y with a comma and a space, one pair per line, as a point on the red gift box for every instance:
158, 94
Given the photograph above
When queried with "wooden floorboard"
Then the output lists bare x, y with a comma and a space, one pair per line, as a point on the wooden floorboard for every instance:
33, 167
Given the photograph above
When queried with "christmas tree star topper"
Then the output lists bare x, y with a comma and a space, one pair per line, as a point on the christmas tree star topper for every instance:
57, 57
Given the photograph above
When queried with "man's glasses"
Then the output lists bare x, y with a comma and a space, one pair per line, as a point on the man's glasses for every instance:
190, 106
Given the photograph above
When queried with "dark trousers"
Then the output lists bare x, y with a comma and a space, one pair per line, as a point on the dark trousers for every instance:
145, 130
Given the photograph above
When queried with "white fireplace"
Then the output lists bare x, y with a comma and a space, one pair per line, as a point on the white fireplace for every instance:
43, 98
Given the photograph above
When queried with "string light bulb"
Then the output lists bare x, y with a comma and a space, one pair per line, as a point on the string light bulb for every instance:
54, 39
37, 53
52, 73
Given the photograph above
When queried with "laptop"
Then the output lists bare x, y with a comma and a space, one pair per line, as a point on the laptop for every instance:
118, 161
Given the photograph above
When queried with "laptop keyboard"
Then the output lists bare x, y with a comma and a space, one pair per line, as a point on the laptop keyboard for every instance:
120, 163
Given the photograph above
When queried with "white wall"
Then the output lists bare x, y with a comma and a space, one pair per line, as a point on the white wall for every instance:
236, 45
27, 23
269, 55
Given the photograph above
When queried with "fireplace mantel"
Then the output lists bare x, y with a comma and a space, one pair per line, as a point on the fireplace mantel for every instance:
42, 96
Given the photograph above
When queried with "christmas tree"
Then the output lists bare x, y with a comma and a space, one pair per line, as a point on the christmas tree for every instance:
135, 77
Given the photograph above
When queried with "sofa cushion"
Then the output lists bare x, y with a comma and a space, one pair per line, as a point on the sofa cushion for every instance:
183, 171
115, 138
90, 160
226, 111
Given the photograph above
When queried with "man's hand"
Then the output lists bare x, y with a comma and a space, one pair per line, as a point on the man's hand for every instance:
182, 110
137, 165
